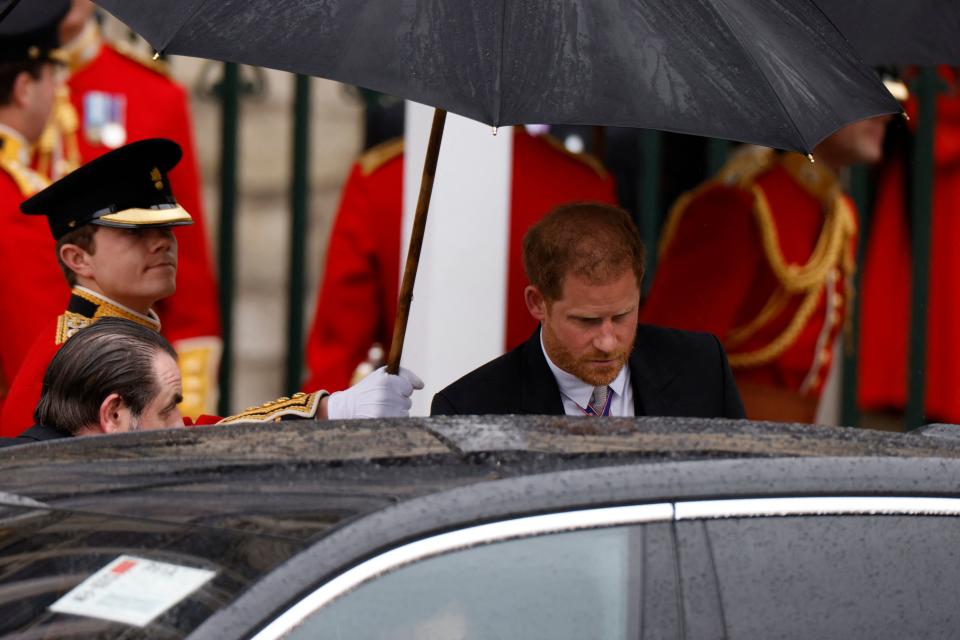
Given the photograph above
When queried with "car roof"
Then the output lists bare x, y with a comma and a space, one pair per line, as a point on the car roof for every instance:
257, 477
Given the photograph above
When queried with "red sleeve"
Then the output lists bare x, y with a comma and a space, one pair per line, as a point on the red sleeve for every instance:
33, 288
709, 267
347, 320
24, 393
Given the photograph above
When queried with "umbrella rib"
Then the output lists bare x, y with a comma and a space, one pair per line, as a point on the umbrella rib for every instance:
196, 9
9, 9
759, 67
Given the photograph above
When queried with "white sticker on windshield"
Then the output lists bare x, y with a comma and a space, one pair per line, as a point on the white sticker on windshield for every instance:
132, 590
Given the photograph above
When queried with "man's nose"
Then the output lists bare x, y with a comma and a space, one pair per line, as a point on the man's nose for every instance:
160, 239
606, 339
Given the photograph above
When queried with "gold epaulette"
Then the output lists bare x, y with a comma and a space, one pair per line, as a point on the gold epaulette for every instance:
301, 405
128, 50
378, 155
590, 160
68, 324
28, 181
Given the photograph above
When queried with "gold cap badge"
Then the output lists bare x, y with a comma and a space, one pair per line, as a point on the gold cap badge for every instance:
157, 178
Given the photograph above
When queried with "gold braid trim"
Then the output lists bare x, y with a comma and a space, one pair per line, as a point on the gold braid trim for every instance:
831, 251
781, 343
108, 309
68, 324
838, 227
301, 405
199, 360
58, 150
774, 306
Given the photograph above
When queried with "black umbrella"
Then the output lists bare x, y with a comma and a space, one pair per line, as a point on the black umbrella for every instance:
891, 32
770, 72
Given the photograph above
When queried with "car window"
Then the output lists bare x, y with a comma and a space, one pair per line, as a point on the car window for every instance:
871, 576
574, 585
46, 553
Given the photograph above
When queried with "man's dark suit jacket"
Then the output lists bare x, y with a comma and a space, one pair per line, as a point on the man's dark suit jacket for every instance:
673, 373
36, 433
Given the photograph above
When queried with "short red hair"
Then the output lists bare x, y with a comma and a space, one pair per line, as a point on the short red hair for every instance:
591, 240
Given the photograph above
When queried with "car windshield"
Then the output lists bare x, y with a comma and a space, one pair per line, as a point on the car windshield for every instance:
48, 553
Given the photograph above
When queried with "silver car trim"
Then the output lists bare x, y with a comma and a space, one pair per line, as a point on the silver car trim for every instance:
595, 518
840, 505
460, 539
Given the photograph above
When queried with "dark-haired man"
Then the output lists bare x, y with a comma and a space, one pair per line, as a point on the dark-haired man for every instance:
589, 356
117, 376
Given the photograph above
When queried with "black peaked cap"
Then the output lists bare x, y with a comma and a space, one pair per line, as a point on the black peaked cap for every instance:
126, 188
29, 31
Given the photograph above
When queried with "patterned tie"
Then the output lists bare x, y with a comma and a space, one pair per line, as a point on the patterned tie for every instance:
598, 401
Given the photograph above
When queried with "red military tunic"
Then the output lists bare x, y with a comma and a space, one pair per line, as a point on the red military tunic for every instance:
115, 92
31, 279
761, 256
84, 308
358, 296
885, 328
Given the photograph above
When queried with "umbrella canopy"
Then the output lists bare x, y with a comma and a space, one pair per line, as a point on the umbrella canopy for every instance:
889, 32
771, 72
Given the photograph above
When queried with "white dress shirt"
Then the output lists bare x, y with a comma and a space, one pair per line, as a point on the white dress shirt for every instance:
575, 393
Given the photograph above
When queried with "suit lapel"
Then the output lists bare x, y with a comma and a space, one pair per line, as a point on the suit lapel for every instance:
539, 393
649, 379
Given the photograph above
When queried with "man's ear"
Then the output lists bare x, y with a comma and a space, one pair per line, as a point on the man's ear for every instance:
536, 304
77, 260
21, 93
114, 414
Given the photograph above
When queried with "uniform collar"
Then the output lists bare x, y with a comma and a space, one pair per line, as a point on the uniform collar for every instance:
576, 389
14, 148
84, 48
96, 306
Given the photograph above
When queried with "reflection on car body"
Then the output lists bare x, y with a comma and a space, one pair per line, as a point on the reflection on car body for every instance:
489, 528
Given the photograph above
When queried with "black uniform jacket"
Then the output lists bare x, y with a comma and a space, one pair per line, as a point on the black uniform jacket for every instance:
673, 373
36, 433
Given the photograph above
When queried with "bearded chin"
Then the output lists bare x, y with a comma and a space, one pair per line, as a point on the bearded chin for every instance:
580, 367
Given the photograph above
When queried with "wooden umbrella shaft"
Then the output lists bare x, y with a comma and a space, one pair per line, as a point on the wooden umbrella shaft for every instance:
416, 241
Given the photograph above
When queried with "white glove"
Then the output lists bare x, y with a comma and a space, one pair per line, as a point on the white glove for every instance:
379, 395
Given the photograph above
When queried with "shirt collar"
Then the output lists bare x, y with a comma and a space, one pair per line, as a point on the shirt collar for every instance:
576, 389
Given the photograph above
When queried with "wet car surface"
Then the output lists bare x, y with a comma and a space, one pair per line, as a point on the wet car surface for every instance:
278, 511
